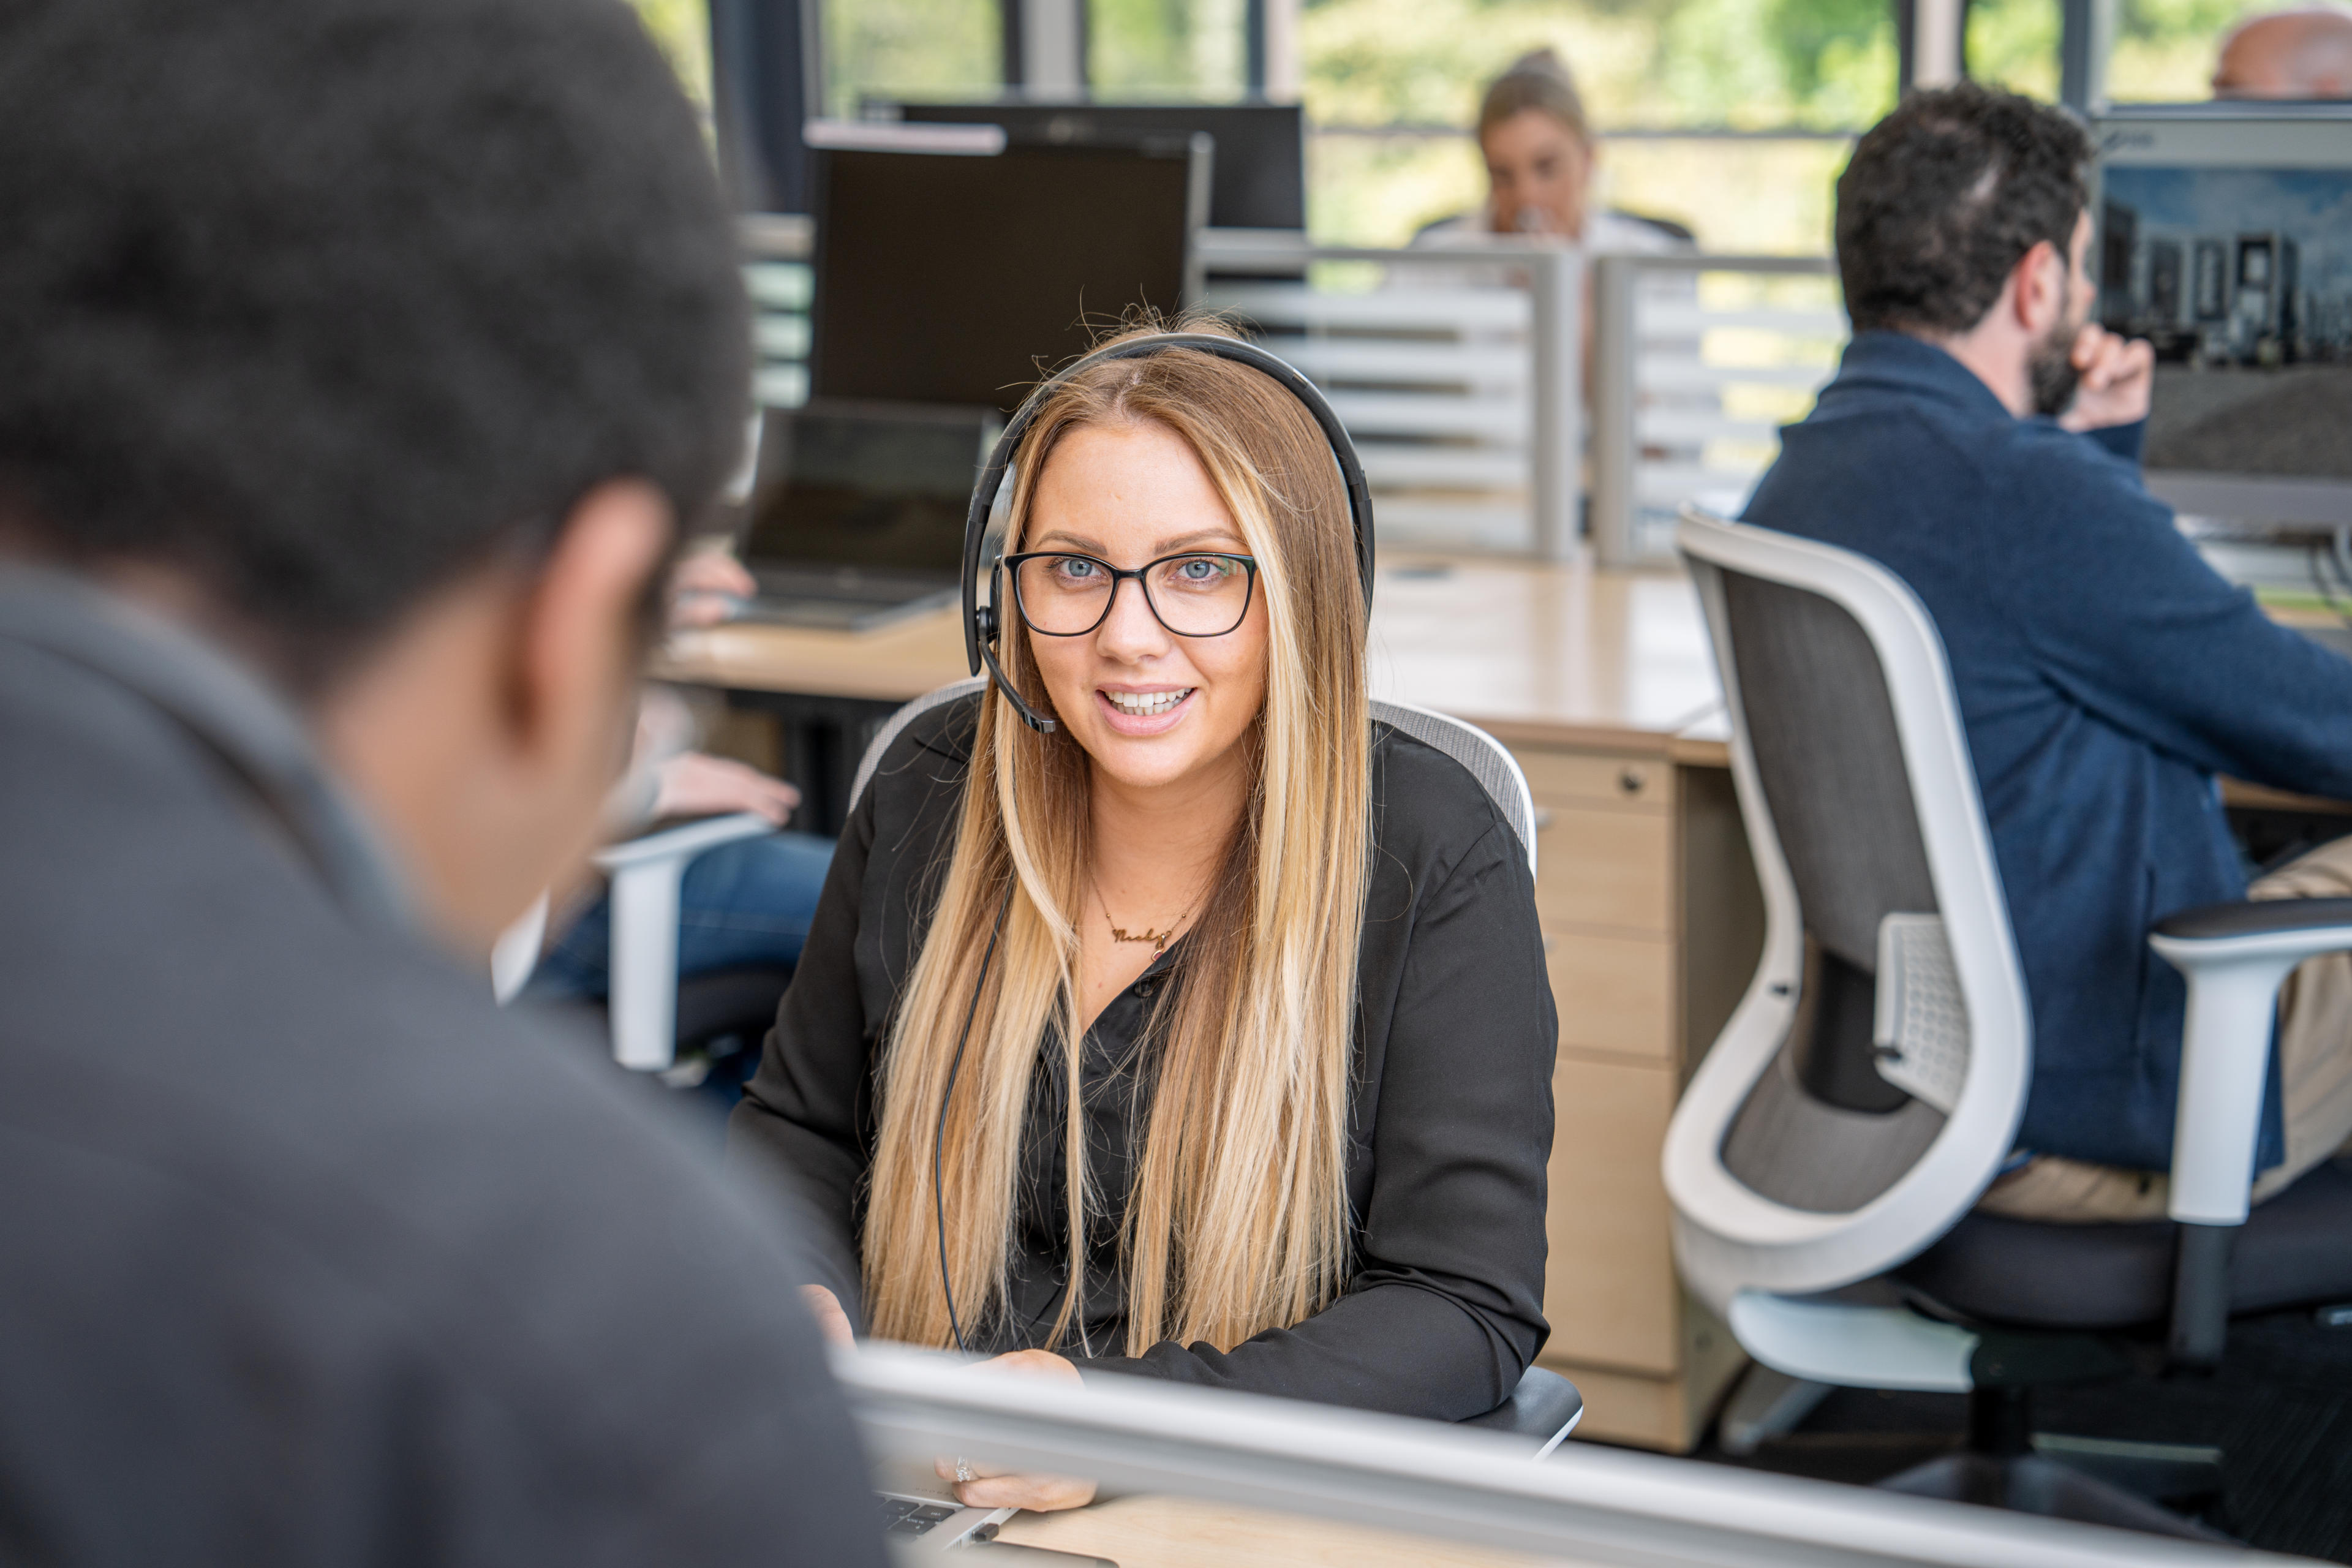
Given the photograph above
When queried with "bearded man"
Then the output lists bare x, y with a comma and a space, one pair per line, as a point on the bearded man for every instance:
1981, 440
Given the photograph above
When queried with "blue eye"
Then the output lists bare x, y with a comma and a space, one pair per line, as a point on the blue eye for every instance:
1076, 569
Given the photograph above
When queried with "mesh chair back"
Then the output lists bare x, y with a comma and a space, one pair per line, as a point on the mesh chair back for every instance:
1830, 763
1497, 771
898, 722
1826, 1131
1807, 1152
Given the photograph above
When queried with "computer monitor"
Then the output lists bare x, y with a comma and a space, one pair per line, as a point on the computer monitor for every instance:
2225, 239
1261, 148
875, 486
954, 278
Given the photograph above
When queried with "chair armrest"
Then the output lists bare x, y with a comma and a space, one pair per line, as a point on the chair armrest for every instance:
642, 1002
1544, 1409
2234, 957
683, 842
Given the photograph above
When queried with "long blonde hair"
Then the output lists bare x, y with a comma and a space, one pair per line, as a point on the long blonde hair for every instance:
1239, 1217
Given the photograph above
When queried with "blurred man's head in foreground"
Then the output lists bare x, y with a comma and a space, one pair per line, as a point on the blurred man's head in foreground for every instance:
388, 342
324, 301
2302, 52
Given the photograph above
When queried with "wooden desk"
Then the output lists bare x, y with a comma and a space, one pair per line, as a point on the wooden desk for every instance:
1550, 655
1652, 922
1182, 1533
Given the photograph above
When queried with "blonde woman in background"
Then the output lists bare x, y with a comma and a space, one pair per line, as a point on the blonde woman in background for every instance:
1540, 157
1257, 1091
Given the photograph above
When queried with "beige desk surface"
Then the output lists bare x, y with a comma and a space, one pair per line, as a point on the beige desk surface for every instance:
1566, 655
1531, 652
1181, 1532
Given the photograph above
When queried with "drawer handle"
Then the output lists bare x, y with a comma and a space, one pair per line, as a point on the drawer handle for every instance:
1631, 781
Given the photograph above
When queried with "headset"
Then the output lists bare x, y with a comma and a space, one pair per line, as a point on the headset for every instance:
982, 623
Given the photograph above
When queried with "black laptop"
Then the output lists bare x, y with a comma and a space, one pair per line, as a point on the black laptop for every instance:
857, 517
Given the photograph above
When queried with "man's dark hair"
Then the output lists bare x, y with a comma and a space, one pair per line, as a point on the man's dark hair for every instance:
329, 301
1945, 195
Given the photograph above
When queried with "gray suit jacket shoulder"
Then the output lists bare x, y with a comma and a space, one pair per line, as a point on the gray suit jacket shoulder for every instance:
312, 1255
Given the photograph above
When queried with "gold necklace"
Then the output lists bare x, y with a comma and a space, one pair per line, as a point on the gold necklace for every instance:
1157, 939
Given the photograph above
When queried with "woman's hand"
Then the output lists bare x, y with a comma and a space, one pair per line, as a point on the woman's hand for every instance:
706, 587
695, 784
831, 1321
1003, 1488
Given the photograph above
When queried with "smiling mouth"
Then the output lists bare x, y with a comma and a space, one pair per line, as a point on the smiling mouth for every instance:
1144, 704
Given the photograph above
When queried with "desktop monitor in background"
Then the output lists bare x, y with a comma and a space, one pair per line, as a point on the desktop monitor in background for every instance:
950, 277
2225, 239
1261, 148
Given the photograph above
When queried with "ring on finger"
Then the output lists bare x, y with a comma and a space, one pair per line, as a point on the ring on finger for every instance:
964, 1475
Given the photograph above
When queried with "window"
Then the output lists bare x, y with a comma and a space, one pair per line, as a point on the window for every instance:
682, 28
2165, 49
2014, 44
1168, 48
1726, 116
912, 48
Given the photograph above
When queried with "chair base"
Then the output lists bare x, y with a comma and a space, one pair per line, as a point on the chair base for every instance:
1766, 1404
2028, 1483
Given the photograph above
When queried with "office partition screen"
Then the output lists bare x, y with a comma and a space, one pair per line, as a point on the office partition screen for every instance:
954, 278
1260, 178
2225, 239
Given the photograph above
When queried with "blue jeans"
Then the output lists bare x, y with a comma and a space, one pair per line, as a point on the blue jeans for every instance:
744, 905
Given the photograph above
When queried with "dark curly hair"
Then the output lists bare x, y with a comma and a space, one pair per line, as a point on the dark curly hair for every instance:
1945, 195
329, 301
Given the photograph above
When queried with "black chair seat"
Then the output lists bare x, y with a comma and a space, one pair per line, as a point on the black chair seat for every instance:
2293, 1250
729, 1002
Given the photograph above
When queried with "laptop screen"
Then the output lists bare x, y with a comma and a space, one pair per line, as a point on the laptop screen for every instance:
879, 488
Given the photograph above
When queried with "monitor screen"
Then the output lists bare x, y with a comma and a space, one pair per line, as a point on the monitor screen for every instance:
947, 278
880, 488
1259, 175
2225, 239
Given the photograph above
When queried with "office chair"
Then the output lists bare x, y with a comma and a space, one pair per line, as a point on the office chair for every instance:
653, 1015
1824, 1159
1544, 1407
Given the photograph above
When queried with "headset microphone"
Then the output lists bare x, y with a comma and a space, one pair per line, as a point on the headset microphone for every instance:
982, 624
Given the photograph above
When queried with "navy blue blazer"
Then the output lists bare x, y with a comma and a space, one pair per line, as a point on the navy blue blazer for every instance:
2105, 674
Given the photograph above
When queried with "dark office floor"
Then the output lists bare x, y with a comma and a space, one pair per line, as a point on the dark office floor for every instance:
2280, 1409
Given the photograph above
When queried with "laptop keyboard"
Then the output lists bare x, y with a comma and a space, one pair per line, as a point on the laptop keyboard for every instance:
905, 1516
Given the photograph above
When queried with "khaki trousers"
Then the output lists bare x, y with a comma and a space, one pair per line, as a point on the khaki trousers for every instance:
2314, 1041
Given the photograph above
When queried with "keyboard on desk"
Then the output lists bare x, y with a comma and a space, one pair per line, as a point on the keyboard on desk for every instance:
842, 599
904, 1516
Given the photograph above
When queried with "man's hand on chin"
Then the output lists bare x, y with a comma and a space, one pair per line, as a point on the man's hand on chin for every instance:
2118, 376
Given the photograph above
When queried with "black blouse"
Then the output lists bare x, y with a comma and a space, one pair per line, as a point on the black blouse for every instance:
1450, 1119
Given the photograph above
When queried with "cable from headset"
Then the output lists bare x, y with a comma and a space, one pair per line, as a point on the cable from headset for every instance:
939, 1137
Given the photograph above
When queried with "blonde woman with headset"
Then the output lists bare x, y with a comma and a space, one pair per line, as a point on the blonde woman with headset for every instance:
1287, 955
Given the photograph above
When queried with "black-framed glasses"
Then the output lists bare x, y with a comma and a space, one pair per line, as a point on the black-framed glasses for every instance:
1196, 594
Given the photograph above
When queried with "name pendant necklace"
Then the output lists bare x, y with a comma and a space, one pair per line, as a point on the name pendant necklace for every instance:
1157, 939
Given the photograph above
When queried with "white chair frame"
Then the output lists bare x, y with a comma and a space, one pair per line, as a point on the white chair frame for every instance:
1728, 1236
1746, 1255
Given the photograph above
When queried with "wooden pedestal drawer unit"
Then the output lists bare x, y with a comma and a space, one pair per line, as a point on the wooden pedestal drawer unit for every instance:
1611, 837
